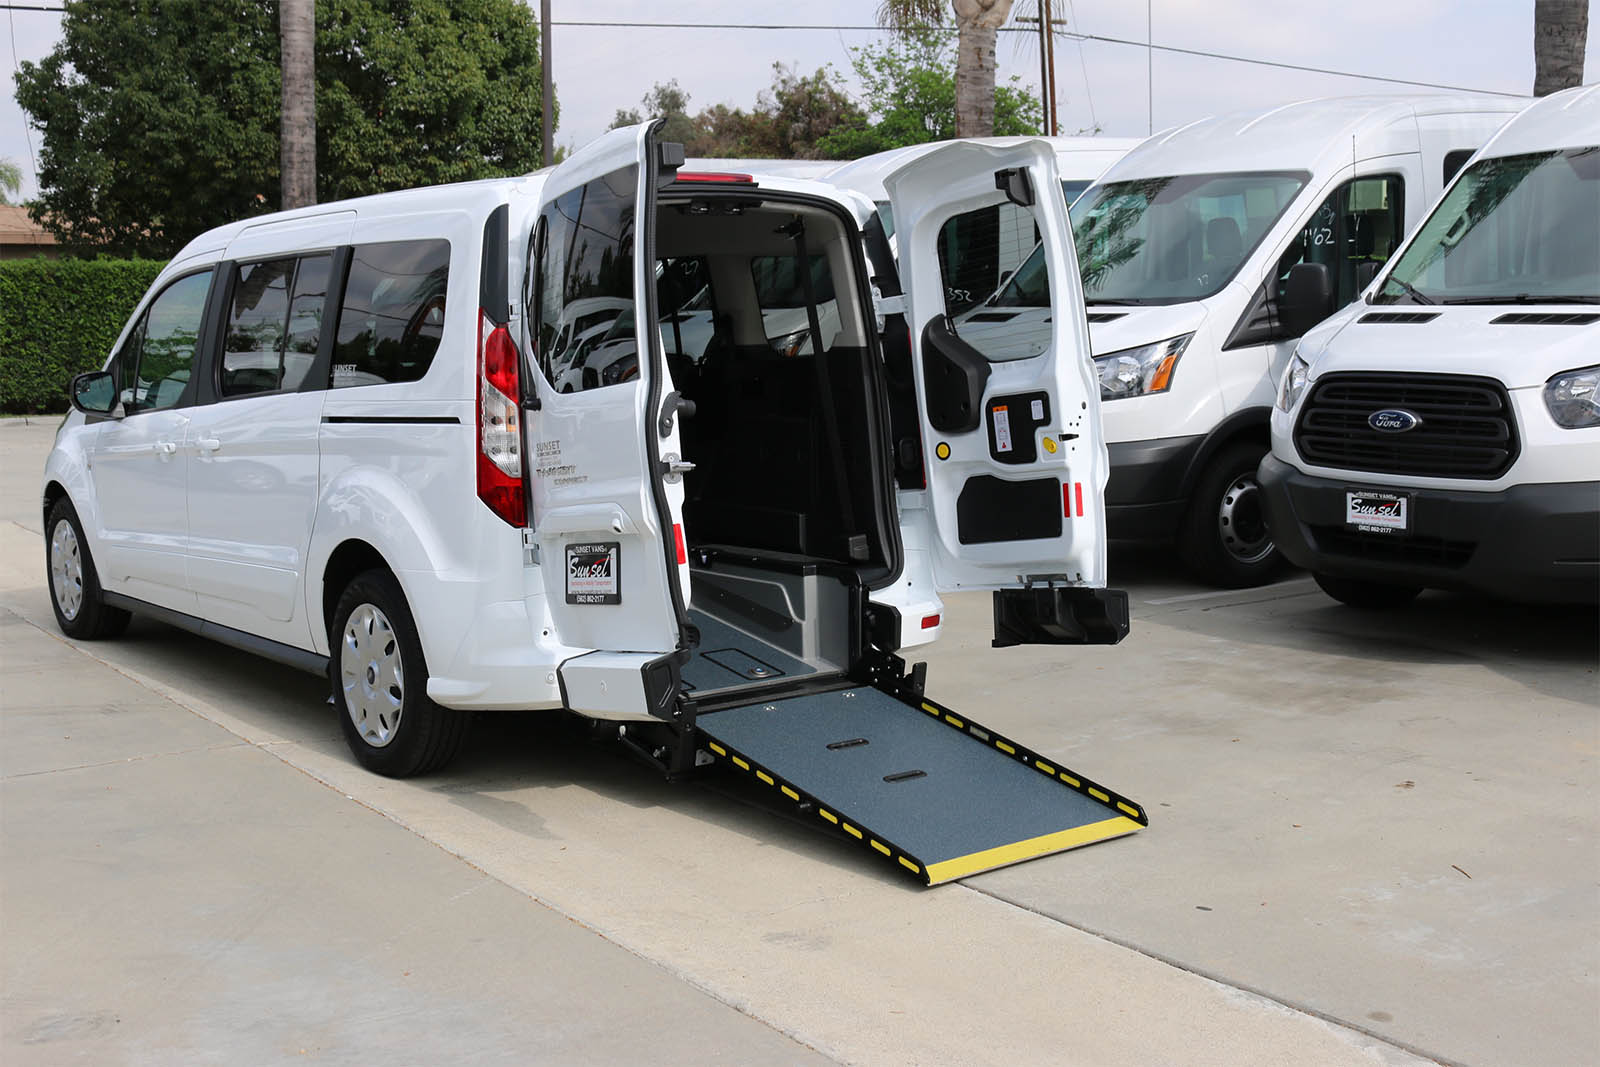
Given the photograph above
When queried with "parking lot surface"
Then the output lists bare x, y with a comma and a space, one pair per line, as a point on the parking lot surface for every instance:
1373, 839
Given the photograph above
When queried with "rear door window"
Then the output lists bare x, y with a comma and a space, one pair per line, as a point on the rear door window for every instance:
392, 315
274, 324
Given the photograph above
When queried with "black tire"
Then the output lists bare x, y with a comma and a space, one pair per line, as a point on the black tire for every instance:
1224, 538
1369, 596
75, 593
376, 666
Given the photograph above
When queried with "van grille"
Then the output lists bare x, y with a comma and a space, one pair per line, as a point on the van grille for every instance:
1465, 430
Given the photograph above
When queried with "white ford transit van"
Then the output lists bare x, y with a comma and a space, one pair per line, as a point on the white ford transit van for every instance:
1206, 252
347, 437
1445, 431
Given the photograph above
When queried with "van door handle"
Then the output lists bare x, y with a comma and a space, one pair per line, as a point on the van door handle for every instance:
209, 444
166, 448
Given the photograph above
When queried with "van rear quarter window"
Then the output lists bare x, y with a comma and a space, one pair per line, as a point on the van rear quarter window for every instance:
392, 315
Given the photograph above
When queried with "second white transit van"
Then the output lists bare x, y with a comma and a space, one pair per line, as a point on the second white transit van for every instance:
1206, 252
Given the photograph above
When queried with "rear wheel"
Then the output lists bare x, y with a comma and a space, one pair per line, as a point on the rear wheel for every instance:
1372, 596
1224, 538
380, 683
75, 594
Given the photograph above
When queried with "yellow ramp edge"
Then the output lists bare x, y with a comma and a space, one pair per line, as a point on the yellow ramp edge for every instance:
1004, 855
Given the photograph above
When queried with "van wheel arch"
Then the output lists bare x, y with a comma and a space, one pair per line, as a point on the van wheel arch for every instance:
52, 492
348, 560
1221, 496
1250, 425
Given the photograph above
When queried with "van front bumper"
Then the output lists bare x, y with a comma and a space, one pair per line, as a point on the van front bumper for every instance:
1536, 543
1145, 493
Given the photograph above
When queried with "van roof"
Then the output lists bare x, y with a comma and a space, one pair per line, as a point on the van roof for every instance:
400, 202
1077, 158
1568, 119
1305, 135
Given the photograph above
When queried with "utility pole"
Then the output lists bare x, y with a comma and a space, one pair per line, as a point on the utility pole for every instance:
549, 92
1047, 66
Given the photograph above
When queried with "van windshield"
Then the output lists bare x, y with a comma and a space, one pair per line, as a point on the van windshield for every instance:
1169, 240
1512, 230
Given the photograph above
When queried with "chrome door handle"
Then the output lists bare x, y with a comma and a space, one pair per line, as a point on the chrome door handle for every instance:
208, 444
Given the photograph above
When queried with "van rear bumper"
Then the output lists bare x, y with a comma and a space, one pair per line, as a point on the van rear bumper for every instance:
1535, 543
1145, 493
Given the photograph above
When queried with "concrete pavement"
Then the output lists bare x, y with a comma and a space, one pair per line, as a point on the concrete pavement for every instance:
731, 910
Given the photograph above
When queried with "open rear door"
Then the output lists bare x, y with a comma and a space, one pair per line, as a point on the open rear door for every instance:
606, 502
1015, 459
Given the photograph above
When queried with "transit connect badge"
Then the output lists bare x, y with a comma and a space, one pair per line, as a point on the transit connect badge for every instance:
1393, 420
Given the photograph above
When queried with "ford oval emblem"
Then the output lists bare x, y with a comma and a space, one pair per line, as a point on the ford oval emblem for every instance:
1393, 420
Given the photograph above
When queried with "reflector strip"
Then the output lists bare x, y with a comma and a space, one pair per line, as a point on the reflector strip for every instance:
677, 535
1077, 492
930, 621
988, 859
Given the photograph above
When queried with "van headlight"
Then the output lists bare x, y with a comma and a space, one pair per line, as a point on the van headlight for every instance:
1294, 382
1573, 398
1142, 370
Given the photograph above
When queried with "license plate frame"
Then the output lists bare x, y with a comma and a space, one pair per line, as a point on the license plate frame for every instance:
594, 572
1383, 512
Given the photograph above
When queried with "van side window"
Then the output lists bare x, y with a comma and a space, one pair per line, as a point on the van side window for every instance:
158, 361
688, 310
274, 324
996, 281
393, 313
1362, 221
781, 295
581, 303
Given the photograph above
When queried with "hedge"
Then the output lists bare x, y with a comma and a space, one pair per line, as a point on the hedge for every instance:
60, 317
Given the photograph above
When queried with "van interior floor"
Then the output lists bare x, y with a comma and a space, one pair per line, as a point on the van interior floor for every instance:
730, 658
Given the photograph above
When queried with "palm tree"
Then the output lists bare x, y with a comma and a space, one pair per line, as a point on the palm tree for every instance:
977, 22
297, 33
10, 180
1559, 30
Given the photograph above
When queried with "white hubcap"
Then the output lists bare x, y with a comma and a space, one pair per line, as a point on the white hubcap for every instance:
371, 675
66, 570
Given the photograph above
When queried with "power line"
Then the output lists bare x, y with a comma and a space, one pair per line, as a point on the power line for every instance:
1021, 29
16, 67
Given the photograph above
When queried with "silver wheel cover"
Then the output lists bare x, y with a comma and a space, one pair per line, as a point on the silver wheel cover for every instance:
371, 675
66, 570
1247, 542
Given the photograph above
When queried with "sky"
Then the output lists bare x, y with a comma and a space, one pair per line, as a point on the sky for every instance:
1125, 90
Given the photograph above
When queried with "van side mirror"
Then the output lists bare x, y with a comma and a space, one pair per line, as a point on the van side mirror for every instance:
1307, 298
1365, 272
95, 393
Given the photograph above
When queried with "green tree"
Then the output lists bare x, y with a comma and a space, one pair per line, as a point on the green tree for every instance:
162, 119
909, 91
977, 103
790, 120
10, 180
665, 100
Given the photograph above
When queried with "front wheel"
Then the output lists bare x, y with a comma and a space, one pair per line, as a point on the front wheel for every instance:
75, 593
1224, 537
380, 683
1371, 596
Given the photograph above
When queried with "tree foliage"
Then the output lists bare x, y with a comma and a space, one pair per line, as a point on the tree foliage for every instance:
161, 120
10, 180
790, 119
909, 92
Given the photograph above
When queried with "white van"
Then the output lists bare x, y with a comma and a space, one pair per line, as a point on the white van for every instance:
1445, 432
1206, 252
335, 437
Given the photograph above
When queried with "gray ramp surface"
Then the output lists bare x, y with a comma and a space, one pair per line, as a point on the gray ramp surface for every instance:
936, 793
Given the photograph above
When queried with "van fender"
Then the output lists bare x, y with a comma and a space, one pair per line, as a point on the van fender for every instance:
67, 468
373, 506
1252, 423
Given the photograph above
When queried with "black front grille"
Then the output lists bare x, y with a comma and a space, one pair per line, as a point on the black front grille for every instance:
1392, 548
1465, 427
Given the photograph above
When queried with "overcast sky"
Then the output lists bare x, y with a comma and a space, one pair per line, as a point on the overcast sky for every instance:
1477, 44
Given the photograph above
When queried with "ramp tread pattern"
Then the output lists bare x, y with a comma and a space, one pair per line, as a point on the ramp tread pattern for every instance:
1123, 815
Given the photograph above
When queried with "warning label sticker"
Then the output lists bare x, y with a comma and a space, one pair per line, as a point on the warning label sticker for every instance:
594, 573
1002, 429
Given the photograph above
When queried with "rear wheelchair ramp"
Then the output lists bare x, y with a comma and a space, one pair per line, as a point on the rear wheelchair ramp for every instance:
927, 788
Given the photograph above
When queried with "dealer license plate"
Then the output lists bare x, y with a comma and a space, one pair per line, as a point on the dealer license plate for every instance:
1372, 512
594, 573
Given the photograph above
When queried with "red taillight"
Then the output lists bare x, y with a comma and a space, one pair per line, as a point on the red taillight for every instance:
499, 424
712, 177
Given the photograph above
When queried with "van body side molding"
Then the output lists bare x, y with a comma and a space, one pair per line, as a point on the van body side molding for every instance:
288, 655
